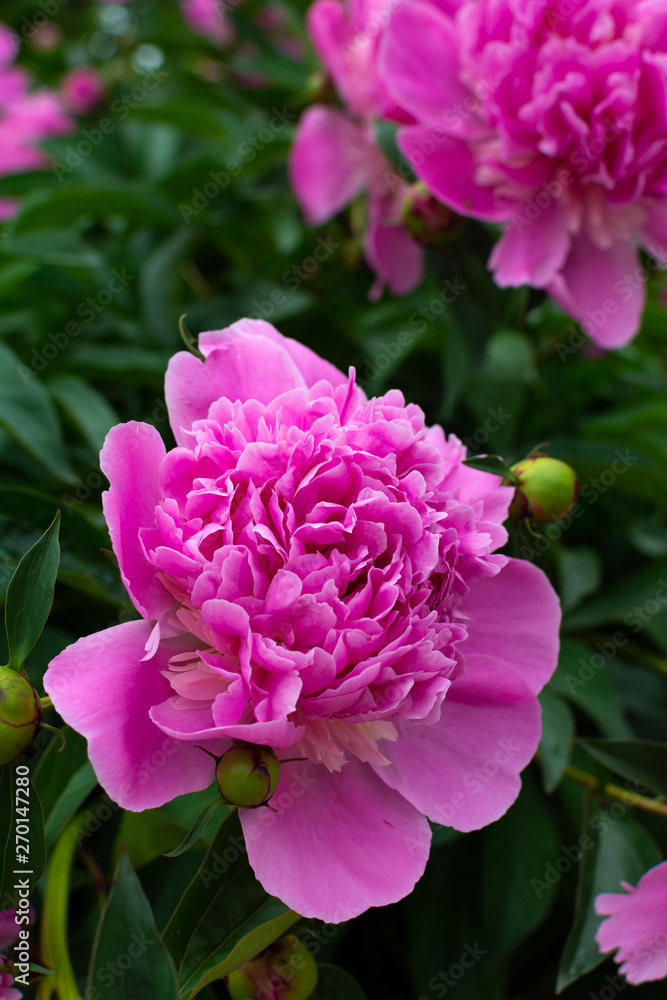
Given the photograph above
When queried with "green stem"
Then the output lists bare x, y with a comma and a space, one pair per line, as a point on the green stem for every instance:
54, 919
655, 806
46, 703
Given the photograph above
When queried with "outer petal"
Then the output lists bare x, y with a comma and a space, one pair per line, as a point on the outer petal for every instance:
531, 252
516, 616
331, 162
419, 63
390, 250
338, 844
463, 771
447, 167
637, 927
101, 688
602, 291
131, 459
242, 367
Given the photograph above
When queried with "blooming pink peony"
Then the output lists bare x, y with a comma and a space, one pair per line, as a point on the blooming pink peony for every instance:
314, 573
335, 156
550, 119
636, 925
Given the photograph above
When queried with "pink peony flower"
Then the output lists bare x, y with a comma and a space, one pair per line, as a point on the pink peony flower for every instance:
549, 119
81, 89
314, 573
207, 18
636, 925
335, 156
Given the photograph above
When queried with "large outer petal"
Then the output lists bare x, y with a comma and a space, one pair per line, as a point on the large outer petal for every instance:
602, 290
419, 64
131, 459
531, 252
637, 926
102, 688
330, 163
463, 771
338, 844
447, 167
515, 615
248, 360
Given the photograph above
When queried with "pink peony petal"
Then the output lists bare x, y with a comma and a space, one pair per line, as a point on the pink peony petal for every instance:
131, 459
603, 290
516, 616
463, 771
338, 844
390, 250
101, 688
331, 162
637, 927
531, 252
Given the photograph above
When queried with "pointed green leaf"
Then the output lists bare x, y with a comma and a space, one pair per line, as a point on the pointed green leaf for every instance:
197, 828
30, 595
641, 761
64, 778
21, 836
557, 740
225, 917
614, 849
493, 464
129, 960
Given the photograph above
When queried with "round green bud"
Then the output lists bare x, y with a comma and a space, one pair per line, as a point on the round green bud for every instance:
547, 490
20, 714
248, 775
285, 971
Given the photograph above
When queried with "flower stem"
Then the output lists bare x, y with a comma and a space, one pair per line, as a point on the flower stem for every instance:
54, 919
656, 806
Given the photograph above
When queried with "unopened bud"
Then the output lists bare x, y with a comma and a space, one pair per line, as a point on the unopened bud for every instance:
547, 490
428, 221
285, 971
20, 714
248, 775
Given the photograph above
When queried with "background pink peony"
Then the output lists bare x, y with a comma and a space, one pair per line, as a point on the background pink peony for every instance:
550, 120
636, 926
315, 572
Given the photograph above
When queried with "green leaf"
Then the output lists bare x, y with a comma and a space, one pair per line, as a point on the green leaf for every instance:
557, 740
385, 135
30, 595
614, 849
147, 835
86, 408
224, 918
129, 961
19, 804
641, 761
197, 828
526, 839
493, 464
582, 679
58, 207
336, 984
64, 778
28, 415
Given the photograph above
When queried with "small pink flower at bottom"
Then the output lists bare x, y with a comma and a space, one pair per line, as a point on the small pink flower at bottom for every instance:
636, 926
315, 573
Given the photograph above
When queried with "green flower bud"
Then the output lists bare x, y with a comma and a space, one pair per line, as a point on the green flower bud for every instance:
248, 775
285, 971
547, 489
20, 714
428, 221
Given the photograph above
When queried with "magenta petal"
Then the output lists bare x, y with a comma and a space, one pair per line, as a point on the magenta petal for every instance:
331, 162
339, 842
603, 290
636, 927
197, 724
447, 167
515, 615
242, 367
531, 252
463, 771
131, 459
101, 688
419, 63
390, 250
